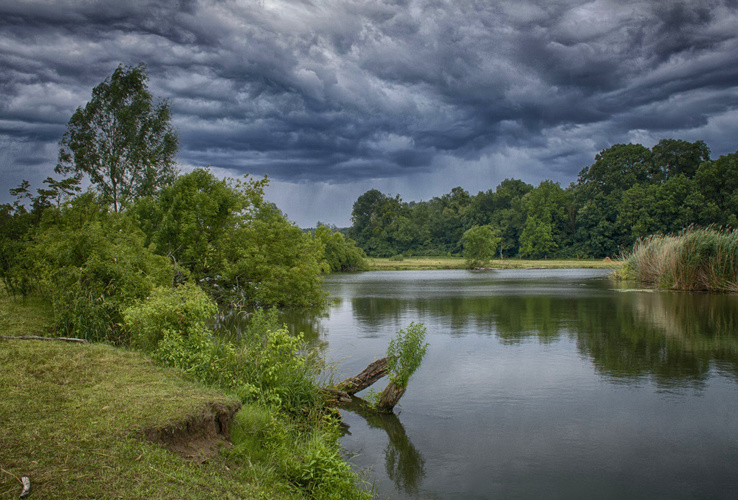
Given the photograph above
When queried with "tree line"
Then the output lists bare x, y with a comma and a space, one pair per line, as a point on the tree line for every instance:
629, 192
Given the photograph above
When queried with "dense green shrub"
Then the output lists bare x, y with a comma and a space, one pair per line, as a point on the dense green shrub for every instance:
184, 311
270, 262
340, 254
242, 249
265, 364
480, 244
91, 265
309, 459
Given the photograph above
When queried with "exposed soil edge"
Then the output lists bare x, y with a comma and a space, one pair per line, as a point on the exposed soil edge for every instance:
199, 436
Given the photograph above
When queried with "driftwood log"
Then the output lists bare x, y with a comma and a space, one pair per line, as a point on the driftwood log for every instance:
389, 398
371, 374
337, 395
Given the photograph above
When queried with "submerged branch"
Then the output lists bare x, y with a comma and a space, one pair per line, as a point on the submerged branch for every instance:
343, 392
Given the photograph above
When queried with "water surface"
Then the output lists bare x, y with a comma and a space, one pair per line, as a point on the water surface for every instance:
542, 384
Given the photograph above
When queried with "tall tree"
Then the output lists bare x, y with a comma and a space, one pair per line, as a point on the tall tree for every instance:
718, 182
375, 218
549, 220
448, 219
121, 139
599, 193
508, 214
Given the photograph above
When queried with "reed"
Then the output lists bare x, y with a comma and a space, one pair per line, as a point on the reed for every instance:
695, 259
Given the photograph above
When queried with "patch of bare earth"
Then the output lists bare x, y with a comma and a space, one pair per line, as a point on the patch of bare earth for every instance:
199, 436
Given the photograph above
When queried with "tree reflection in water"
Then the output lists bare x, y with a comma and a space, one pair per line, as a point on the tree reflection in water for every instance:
673, 338
403, 462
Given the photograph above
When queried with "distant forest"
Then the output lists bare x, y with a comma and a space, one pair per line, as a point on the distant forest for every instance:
629, 192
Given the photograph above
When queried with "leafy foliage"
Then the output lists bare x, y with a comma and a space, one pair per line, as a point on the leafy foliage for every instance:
340, 254
265, 364
190, 220
270, 262
184, 311
405, 353
480, 244
629, 191
318, 469
241, 248
91, 264
121, 140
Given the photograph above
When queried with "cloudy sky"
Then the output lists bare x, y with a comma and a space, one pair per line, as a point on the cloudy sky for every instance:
413, 97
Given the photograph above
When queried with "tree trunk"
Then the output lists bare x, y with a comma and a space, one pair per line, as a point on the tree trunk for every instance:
390, 397
371, 374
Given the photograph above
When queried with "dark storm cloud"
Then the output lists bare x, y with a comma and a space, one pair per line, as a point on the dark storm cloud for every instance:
340, 91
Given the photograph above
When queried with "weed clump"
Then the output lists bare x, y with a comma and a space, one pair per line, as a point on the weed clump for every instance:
694, 260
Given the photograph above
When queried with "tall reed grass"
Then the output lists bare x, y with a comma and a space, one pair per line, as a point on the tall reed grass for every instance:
695, 259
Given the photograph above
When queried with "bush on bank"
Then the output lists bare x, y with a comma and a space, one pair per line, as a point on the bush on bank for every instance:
695, 259
271, 371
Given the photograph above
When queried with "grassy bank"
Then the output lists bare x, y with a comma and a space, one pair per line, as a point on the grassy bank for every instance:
74, 420
421, 263
94, 421
696, 259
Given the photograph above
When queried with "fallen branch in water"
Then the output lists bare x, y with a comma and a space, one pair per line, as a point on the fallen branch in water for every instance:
337, 395
36, 337
404, 355
371, 374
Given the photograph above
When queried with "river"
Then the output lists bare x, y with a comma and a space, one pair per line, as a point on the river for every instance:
541, 384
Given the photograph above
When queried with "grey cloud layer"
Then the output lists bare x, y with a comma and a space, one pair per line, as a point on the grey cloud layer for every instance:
340, 91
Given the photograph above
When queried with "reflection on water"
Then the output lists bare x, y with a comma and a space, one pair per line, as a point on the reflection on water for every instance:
403, 462
672, 336
546, 383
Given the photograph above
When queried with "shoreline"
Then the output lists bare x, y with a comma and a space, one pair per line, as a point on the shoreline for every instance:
437, 263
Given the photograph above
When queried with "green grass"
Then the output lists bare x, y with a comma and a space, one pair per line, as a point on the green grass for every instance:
73, 416
22, 316
421, 263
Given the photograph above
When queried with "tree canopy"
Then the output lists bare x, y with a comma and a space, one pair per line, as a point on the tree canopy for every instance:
628, 192
121, 139
92, 260
480, 244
